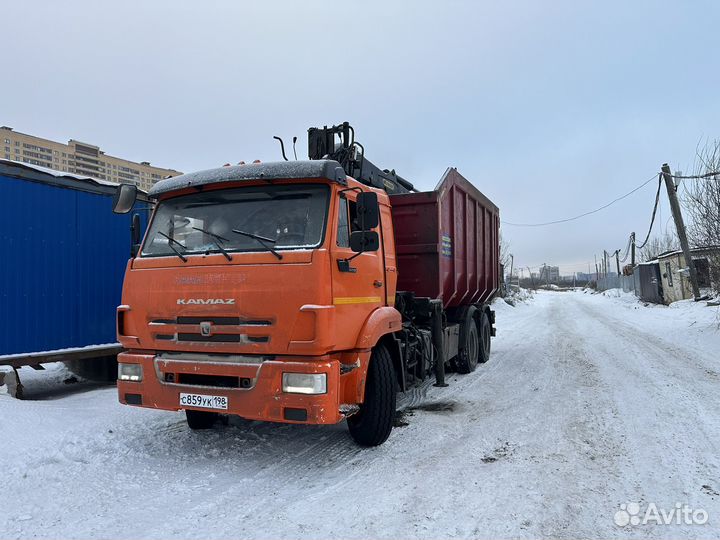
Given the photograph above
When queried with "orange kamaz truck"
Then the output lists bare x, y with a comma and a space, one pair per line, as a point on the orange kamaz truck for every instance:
305, 291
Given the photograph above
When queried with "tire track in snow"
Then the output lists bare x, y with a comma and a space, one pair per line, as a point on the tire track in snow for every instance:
668, 411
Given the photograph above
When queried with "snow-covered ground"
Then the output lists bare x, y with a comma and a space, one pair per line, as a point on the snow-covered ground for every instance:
588, 402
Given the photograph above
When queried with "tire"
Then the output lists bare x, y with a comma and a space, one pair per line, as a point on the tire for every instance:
372, 424
485, 334
200, 419
467, 358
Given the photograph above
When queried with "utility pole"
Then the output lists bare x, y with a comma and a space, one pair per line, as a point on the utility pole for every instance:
680, 227
617, 261
532, 279
605, 263
597, 276
512, 262
632, 247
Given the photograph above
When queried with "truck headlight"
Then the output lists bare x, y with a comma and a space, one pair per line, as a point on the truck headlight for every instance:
130, 372
304, 383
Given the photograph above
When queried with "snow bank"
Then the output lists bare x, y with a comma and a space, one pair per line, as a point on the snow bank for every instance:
515, 296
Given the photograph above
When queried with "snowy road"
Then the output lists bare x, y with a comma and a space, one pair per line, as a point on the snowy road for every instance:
588, 402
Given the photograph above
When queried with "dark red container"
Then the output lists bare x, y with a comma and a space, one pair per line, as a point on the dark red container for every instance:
447, 242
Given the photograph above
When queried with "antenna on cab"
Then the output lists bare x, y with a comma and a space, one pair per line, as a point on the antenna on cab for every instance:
282, 147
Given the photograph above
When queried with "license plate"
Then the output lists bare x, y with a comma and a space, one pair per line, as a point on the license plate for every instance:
206, 402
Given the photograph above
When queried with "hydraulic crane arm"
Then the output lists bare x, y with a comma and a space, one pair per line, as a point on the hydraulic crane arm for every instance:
338, 143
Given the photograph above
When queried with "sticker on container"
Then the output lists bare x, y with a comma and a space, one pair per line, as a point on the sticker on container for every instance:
446, 246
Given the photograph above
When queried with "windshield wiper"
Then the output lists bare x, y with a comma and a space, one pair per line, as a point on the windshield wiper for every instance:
216, 238
262, 240
172, 241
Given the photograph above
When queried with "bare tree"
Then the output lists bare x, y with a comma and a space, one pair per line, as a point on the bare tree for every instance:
504, 252
701, 199
505, 262
657, 245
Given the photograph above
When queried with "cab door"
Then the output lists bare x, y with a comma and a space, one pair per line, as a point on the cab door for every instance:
358, 286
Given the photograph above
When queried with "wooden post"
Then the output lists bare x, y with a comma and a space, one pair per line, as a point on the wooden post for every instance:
605, 264
532, 279
632, 247
680, 227
617, 261
597, 271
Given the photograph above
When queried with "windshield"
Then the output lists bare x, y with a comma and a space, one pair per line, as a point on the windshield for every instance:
277, 217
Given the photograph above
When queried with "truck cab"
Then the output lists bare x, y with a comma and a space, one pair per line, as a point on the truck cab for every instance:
259, 290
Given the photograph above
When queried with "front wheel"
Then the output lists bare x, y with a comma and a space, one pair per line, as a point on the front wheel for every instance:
372, 424
200, 419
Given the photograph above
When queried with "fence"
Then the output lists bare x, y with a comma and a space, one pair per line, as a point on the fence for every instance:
626, 283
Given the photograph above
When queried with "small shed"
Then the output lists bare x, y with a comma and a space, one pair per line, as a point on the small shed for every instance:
676, 276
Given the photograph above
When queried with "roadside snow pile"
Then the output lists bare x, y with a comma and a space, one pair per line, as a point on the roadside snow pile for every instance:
516, 295
685, 315
620, 294
43, 382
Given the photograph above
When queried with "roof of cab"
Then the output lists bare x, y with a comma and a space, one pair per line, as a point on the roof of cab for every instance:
272, 170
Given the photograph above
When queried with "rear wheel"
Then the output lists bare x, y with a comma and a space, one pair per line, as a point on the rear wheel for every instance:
467, 358
485, 334
372, 424
201, 419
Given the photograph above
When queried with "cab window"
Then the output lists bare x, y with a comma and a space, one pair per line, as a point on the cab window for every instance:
343, 232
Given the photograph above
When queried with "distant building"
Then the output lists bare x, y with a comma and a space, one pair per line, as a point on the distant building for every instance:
549, 274
78, 158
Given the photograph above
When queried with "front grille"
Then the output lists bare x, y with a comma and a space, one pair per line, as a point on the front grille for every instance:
223, 329
223, 338
225, 321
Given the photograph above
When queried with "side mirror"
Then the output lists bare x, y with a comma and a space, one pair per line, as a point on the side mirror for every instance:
362, 241
135, 236
124, 198
368, 210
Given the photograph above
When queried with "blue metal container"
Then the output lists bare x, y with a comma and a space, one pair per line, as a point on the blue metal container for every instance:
63, 259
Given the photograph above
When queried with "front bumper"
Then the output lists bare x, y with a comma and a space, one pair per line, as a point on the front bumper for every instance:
262, 400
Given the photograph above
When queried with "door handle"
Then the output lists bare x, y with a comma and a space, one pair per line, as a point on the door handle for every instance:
377, 284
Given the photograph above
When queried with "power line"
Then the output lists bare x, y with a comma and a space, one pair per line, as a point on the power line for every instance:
581, 215
627, 250
560, 265
697, 176
652, 219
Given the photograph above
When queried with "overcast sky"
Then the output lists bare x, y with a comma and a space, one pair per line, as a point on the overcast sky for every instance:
551, 108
